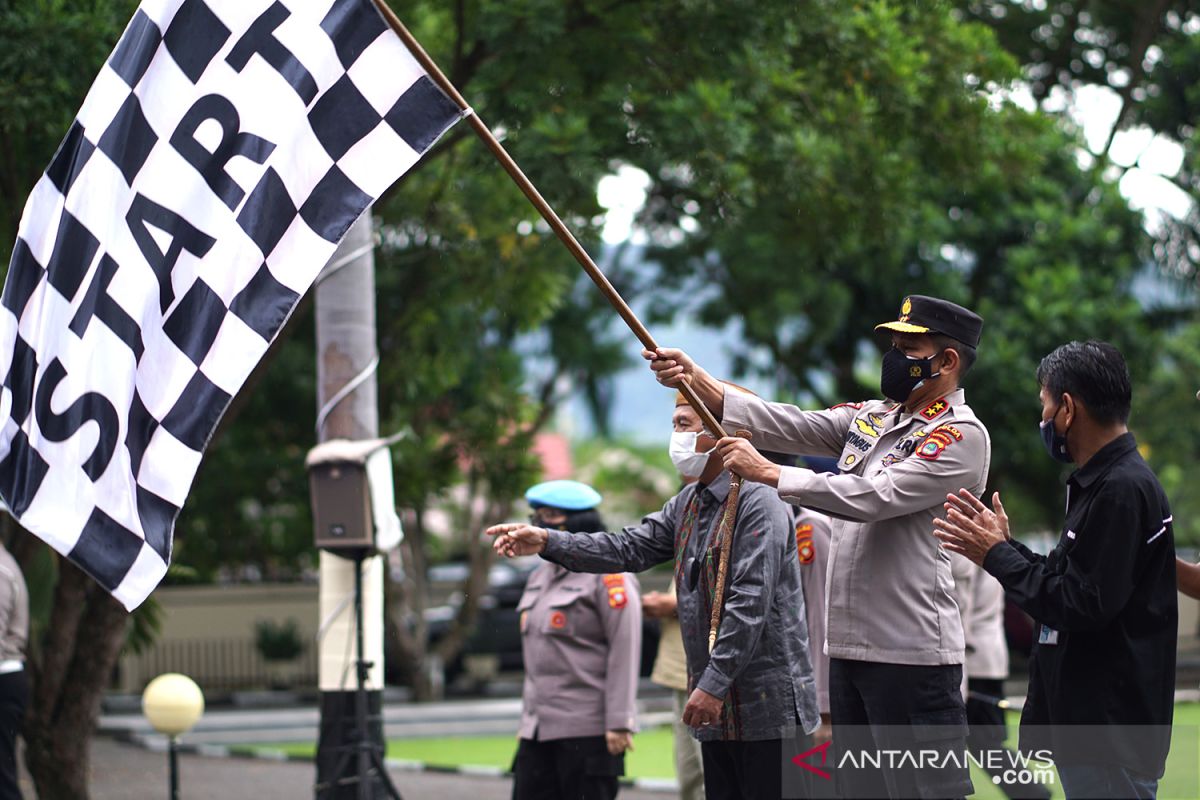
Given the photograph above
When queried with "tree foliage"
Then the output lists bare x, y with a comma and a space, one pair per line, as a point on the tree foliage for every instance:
1147, 54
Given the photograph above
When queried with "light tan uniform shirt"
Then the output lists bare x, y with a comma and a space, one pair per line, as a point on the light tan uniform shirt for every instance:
812, 547
987, 649
889, 595
581, 638
670, 665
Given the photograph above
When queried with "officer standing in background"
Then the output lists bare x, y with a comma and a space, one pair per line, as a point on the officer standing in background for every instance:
813, 530
670, 671
987, 667
894, 635
14, 685
581, 637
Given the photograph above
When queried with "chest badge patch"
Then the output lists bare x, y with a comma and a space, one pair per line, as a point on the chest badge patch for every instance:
558, 620
804, 542
866, 427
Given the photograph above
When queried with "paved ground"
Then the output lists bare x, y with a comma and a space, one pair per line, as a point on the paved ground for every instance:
127, 772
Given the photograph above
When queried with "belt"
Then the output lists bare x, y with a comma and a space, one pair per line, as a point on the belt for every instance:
11, 665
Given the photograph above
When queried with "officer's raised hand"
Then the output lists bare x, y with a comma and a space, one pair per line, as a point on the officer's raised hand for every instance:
740, 458
673, 368
517, 539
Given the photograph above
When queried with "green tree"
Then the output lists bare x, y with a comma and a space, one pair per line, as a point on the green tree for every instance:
1148, 54
868, 155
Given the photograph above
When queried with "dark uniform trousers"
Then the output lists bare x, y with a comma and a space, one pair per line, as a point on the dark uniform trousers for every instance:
742, 770
898, 707
579, 768
14, 696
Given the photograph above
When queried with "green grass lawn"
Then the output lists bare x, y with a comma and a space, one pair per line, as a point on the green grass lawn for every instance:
652, 756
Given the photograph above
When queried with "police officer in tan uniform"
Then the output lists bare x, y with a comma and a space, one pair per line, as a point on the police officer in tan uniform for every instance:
813, 531
581, 639
894, 635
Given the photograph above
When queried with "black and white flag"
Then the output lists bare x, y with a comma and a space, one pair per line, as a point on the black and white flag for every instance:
221, 154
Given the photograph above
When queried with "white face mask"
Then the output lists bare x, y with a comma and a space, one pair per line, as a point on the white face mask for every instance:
684, 456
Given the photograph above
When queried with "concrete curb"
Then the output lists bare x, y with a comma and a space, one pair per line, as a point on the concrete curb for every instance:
159, 745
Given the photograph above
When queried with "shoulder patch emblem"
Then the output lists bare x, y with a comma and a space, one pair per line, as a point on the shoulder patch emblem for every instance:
950, 429
614, 579
558, 620
804, 542
933, 445
617, 597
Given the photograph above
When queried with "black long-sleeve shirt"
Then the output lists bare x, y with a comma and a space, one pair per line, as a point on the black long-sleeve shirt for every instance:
1106, 606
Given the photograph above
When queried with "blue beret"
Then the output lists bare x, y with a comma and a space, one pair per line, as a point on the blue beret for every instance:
567, 495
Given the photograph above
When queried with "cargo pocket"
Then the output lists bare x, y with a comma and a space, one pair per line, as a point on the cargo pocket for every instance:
943, 732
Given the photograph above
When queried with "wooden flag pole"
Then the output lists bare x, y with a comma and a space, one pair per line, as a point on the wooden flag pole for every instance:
548, 213
589, 266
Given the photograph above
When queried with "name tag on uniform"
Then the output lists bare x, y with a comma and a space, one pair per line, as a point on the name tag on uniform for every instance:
1047, 635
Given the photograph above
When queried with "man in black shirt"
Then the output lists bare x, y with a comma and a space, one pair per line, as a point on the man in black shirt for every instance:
1104, 598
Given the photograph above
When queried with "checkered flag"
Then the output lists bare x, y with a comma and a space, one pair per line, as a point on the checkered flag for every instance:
223, 151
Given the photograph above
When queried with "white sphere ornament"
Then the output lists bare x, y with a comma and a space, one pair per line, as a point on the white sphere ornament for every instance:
173, 703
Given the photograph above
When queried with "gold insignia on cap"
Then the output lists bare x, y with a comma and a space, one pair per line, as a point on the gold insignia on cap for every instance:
906, 309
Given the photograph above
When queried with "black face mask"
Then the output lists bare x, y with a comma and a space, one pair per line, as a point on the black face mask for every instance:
901, 374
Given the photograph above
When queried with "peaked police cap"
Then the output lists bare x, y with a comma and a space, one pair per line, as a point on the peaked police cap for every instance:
921, 314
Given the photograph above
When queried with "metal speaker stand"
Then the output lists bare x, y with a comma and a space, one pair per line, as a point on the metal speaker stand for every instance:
366, 756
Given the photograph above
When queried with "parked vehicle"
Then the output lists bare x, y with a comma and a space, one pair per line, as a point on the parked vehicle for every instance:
497, 633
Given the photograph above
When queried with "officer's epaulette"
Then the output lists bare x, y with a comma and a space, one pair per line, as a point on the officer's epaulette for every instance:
935, 409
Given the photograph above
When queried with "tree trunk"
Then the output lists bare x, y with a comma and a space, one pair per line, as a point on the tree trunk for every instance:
80, 649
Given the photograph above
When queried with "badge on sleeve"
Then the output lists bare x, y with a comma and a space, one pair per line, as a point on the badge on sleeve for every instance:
942, 437
804, 542
617, 596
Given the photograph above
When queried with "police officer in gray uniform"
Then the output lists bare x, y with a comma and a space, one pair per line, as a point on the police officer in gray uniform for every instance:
581, 637
894, 635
